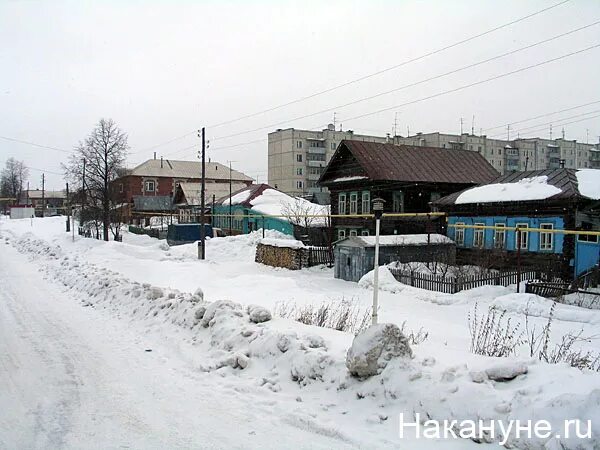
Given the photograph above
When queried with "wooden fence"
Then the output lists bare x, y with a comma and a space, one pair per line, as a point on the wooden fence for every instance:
452, 285
320, 255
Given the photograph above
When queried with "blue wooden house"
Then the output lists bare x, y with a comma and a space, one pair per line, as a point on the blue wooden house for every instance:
552, 200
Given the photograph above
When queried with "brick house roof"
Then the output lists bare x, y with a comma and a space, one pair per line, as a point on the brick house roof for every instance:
185, 169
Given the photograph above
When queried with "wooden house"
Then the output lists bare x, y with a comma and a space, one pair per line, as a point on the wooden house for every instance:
552, 200
408, 178
187, 199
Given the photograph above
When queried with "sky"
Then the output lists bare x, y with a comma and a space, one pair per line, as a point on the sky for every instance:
163, 69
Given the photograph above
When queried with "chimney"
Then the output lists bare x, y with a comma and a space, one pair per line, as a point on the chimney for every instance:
154, 155
161, 162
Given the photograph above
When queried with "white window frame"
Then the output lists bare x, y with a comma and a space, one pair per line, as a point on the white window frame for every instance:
353, 233
499, 234
341, 234
353, 203
299, 157
459, 234
298, 144
299, 184
365, 202
299, 171
524, 237
479, 232
546, 239
147, 183
342, 203
364, 233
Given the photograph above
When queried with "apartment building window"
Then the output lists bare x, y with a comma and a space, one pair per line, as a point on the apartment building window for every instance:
479, 148
353, 203
398, 202
546, 239
298, 144
459, 234
299, 157
499, 235
333, 146
366, 202
298, 170
342, 204
341, 234
523, 243
299, 184
150, 186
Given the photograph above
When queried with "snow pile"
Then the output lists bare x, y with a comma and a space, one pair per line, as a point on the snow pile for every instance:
352, 178
276, 203
588, 181
387, 282
534, 188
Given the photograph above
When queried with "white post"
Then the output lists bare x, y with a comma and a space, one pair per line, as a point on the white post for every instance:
73, 223
376, 274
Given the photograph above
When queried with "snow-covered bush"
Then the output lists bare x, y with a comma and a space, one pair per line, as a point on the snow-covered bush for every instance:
493, 334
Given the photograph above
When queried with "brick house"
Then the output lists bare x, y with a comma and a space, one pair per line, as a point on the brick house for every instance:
160, 177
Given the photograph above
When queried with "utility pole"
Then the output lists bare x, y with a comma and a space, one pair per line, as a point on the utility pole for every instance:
83, 195
395, 124
68, 210
461, 125
230, 208
202, 194
508, 132
473, 126
43, 193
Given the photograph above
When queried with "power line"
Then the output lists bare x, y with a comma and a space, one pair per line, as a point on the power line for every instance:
163, 143
362, 78
542, 127
552, 122
469, 66
542, 115
404, 63
477, 83
35, 145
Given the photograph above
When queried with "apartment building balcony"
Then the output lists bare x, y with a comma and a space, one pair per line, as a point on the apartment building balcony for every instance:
313, 176
313, 163
317, 150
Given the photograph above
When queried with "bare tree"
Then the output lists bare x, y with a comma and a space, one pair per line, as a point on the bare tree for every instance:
104, 152
12, 178
299, 212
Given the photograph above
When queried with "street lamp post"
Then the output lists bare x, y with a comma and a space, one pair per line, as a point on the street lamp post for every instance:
378, 212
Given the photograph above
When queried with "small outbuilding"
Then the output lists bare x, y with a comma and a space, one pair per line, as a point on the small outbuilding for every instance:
355, 256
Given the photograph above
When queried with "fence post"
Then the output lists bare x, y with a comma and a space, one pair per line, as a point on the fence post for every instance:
412, 278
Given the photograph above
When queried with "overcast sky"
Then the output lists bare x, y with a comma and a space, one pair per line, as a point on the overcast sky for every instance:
162, 69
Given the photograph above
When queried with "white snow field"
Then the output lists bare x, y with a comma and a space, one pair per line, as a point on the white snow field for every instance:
77, 319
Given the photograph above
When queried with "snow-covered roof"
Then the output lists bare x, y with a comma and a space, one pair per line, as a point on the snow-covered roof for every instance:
266, 200
398, 240
588, 181
191, 192
352, 178
533, 188
186, 169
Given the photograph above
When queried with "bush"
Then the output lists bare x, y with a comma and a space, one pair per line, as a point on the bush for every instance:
493, 334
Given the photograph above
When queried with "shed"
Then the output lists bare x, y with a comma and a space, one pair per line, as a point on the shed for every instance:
355, 256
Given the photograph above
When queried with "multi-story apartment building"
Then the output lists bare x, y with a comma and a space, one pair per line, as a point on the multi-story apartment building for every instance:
298, 157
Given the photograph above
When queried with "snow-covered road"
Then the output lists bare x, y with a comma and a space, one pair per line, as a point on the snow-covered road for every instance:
71, 378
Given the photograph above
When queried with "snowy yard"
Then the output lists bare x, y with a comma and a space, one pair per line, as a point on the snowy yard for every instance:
77, 319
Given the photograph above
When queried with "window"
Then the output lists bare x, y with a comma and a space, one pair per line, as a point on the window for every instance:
121, 187
353, 203
478, 235
398, 202
299, 184
499, 235
299, 171
298, 144
459, 234
353, 233
315, 157
587, 226
479, 148
523, 243
150, 186
364, 233
333, 146
342, 204
299, 157
341, 234
366, 202
546, 239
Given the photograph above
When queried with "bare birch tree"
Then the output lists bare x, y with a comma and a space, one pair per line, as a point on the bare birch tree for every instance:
104, 152
13, 177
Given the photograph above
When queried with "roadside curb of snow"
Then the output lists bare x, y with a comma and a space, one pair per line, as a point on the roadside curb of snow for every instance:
276, 360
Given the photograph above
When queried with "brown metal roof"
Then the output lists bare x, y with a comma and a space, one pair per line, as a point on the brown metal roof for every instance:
390, 162
564, 179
